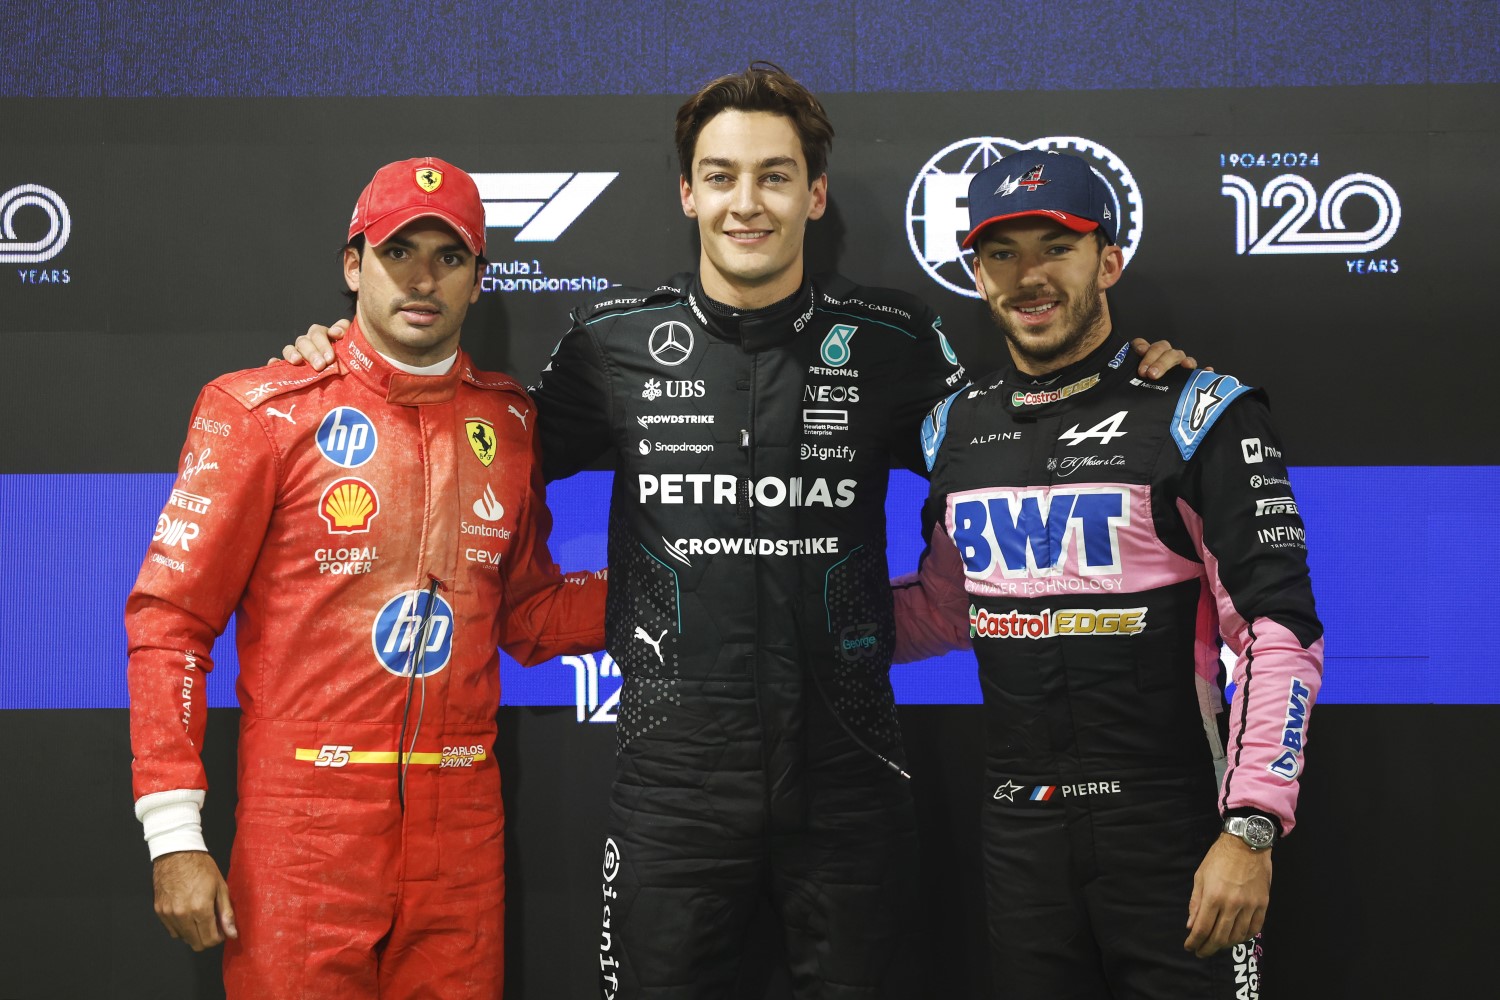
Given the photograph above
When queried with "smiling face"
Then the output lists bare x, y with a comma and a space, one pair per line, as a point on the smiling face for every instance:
1045, 287
414, 290
752, 198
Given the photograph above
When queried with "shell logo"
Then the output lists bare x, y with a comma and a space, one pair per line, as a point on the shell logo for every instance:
348, 506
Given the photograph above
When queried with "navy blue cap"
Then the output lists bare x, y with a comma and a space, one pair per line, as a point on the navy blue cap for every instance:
1037, 182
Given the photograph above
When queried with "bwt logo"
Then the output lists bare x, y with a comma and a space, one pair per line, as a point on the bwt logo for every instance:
1029, 533
1300, 201
937, 208
13, 249
542, 206
587, 674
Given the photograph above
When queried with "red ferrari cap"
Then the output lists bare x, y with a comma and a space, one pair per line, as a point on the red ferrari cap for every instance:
415, 189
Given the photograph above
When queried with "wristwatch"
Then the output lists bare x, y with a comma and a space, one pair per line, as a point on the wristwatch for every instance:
1257, 831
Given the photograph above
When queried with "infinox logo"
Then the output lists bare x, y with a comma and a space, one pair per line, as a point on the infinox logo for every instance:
16, 249
937, 213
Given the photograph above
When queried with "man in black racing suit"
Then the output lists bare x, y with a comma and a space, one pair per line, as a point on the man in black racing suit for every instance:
754, 415
1093, 536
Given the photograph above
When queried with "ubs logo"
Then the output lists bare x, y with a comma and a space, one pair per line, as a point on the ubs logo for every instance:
671, 343
937, 214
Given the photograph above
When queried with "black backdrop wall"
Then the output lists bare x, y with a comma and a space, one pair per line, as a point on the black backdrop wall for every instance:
204, 225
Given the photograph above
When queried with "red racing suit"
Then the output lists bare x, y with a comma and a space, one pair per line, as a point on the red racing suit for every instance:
379, 534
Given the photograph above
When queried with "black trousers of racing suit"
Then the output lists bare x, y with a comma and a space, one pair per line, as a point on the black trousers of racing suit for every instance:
685, 860
1087, 895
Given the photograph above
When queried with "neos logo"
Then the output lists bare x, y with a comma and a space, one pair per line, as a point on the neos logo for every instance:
398, 626
542, 205
16, 250
1300, 201
1030, 533
937, 208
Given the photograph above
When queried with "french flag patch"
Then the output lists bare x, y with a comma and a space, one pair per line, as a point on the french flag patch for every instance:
1041, 793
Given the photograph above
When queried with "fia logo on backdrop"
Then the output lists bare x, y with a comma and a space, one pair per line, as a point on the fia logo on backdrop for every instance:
937, 207
34, 228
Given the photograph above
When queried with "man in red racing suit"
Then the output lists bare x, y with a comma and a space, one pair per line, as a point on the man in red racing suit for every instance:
380, 529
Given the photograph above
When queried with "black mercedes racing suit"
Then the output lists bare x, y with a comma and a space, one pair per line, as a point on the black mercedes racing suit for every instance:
1101, 533
751, 619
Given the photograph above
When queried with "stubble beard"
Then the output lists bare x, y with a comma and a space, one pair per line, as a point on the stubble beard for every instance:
1080, 317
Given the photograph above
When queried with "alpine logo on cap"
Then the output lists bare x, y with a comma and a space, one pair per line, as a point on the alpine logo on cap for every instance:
429, 179
1030, 180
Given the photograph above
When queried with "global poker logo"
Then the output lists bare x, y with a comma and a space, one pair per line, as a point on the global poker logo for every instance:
937, 212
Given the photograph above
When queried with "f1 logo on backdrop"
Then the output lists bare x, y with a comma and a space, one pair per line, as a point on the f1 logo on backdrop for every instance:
17, 246
937, 210
541, 205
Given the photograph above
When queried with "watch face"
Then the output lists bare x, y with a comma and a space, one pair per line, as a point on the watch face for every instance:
1259, 832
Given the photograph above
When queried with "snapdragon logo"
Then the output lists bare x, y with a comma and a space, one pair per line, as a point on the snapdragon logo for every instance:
541, 205
937, 209
29, 243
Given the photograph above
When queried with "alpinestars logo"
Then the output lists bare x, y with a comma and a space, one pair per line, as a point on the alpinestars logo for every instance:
937, 214
17, 245
543, 205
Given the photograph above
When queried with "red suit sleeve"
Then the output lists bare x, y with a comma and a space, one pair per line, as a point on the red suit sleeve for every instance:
206, 542
932, 606
547, 614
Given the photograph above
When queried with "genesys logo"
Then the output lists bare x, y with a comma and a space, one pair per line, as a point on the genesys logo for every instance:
540, 206
937, 213
34, 228
1353, 215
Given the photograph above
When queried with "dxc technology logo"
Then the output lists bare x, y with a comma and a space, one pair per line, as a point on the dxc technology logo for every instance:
542, 205
937, 212
18, 249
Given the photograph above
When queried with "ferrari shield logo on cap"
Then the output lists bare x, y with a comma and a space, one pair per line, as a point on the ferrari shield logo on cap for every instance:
482, 439
429, 180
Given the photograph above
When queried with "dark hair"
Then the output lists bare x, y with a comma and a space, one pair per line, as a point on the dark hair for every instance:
357, 244
763, 86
